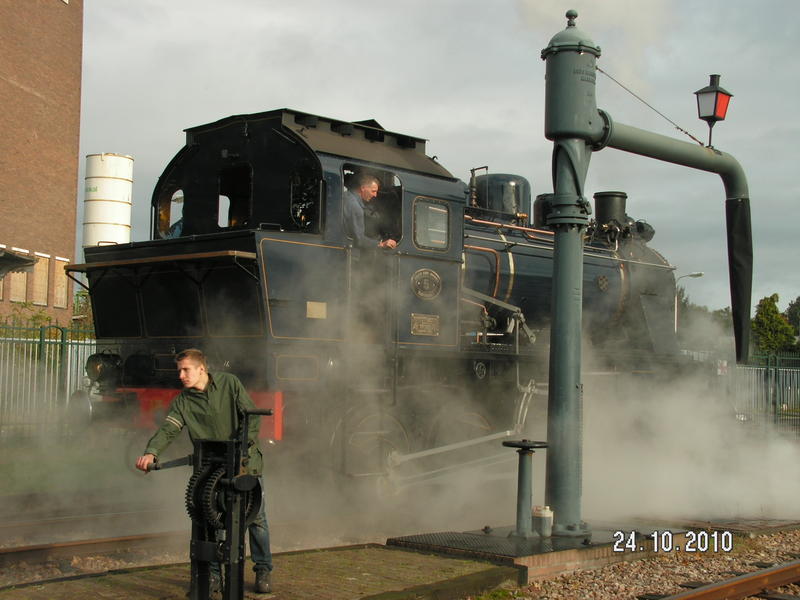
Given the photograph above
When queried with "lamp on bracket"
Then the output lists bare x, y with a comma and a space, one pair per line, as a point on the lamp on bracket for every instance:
712, 104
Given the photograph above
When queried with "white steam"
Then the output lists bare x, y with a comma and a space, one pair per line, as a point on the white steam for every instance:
679, 451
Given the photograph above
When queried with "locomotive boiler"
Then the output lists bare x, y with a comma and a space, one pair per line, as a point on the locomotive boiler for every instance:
383, 359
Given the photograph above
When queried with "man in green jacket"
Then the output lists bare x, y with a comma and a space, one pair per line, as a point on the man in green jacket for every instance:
205, 409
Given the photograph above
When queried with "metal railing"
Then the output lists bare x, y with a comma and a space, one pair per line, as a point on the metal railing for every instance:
787, 360
768, 394
39, 367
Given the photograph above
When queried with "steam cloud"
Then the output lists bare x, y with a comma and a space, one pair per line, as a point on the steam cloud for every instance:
679, 451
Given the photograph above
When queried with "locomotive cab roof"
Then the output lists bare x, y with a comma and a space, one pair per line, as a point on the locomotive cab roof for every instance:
363, 140
272, 170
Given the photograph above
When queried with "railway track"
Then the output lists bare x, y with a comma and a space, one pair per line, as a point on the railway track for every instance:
40, 519
757, 584
39, 553
45, 545
135, 551
67, 527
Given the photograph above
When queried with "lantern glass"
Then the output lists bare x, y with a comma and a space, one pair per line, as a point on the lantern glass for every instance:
722, 105
705, 104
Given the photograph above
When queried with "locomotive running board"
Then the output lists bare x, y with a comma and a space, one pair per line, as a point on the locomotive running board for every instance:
233, 255
128, 262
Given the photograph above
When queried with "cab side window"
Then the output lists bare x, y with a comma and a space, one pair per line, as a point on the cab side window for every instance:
383, 217
431, 224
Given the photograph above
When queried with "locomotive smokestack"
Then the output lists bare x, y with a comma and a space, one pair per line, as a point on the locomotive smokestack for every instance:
610, 206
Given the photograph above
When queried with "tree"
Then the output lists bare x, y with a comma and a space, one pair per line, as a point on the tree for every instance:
771, 330
701, 329
792, 314
82, 315
724, 318
26, 314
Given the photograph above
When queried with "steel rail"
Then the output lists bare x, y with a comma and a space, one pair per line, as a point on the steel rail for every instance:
43, 552
743, 586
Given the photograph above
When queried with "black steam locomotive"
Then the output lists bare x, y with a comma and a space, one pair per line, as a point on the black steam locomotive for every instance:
384, 358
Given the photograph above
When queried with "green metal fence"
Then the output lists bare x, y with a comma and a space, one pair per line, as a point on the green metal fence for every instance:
39, 367
767, 391
784, 360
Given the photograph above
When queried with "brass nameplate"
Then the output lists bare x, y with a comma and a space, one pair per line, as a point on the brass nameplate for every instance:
316, 310
424, 324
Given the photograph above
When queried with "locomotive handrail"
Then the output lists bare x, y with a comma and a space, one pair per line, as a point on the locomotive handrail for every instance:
508, 226
591, 254
496, 255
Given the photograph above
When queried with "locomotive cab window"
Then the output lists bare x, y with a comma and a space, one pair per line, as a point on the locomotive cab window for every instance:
233, 203
170, 215
235, 194
383, 215
223, 211
431, 219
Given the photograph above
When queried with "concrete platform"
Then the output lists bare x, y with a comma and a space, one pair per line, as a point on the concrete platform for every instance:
366, 572
544, 557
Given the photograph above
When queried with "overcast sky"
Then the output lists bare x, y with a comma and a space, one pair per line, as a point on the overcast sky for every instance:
467, 76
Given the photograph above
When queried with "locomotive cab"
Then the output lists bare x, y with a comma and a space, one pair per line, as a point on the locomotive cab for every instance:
239, 173
249, 259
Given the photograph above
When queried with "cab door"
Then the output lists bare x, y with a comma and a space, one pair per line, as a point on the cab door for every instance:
428, 270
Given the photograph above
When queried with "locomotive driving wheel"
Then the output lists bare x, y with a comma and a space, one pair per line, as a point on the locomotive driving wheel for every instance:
364, 438
457, 423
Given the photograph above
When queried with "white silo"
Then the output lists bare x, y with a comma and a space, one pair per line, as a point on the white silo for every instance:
107, 201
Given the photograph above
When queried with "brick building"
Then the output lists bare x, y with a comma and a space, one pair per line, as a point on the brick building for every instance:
40, 92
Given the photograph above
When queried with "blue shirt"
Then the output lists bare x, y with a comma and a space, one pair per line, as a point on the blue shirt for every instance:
353, 212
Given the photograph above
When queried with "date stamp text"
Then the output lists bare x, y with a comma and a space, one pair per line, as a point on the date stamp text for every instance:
665, 541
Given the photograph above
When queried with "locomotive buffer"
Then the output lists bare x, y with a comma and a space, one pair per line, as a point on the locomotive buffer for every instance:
222, 500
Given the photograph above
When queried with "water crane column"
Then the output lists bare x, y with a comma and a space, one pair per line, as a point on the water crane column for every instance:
572, 121
577, 129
